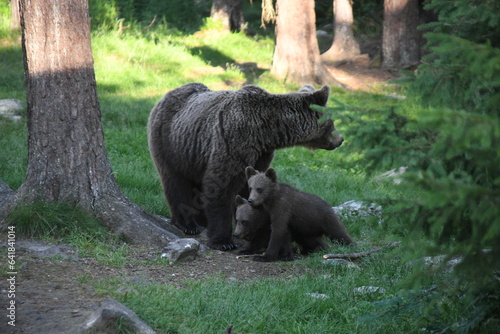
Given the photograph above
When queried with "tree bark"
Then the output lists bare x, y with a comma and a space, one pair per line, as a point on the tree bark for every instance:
400, 38
344, 44
229, 13
67, 160
15, 20
296, 56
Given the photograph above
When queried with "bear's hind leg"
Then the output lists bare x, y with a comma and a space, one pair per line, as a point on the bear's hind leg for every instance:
185, 212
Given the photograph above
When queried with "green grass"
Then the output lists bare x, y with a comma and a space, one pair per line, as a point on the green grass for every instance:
282, 305
135, 70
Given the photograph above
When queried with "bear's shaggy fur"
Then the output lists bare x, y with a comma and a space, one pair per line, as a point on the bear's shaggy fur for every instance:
202, 140
290, 209
253, 224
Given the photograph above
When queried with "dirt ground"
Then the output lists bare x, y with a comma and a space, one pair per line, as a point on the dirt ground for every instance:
50, 294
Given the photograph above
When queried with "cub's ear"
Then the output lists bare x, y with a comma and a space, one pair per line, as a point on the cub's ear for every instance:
239, 200
271, 173
320, 97
250, 171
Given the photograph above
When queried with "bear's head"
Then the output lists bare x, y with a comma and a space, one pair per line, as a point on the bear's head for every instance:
249, 220
326, 139
261, 185
323, 138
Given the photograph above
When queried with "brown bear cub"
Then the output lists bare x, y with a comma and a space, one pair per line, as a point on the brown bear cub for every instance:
254, 225
290, 209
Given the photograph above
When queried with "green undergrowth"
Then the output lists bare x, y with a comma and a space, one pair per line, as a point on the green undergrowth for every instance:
136, 67
61, 223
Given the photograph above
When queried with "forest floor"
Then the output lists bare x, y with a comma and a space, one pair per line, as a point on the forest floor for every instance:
54, 294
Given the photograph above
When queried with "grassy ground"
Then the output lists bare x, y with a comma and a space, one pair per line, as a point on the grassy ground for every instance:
134, 71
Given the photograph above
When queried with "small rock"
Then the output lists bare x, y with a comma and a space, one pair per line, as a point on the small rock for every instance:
393, 174
43, 250
181, 250
358, 209
395, 96
435, 262
367, 289
317, 295
341, 262
112, 314
10, 108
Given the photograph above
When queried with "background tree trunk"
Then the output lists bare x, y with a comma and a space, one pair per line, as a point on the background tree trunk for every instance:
15, 19
344, 45
230, 13
67, 160
400, 38
296, 55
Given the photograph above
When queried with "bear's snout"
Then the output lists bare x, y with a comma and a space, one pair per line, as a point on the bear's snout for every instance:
336, 141
250, 202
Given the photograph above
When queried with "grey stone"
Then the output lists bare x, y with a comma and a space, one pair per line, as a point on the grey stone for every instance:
361, 209
367, 289
341, 262
437, 262
317, 295
393, 174
43, 250
10, 108
112, 314
181, 250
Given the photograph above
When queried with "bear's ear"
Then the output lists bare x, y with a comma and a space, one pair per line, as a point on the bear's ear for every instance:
307, 89
320, 97
271, 173
239, 200
250, 171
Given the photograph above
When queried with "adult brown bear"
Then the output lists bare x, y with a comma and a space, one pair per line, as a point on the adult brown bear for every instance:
202, 140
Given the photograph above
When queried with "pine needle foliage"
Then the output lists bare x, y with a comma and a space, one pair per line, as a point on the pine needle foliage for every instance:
451, 150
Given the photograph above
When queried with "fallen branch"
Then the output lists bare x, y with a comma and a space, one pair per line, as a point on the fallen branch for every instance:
353, 256
242, 256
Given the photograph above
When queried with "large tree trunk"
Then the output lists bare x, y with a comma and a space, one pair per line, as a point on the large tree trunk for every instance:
400, 39
229, 13
67, 160
296, 55
344, 45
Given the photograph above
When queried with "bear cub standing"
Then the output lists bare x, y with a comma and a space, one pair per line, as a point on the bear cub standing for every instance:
290, 210
253, 224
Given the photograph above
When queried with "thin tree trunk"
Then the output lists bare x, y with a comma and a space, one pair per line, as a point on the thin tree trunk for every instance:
296, 55
67, 160
344, 44
400, 39
229, 13
15, 21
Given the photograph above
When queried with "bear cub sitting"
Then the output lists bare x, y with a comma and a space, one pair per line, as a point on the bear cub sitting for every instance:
254, 225
292, 212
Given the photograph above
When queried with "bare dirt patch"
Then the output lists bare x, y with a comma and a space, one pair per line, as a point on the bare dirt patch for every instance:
53, 295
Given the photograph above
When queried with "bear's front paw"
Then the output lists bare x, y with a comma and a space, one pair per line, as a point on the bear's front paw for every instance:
223, 246
192, 230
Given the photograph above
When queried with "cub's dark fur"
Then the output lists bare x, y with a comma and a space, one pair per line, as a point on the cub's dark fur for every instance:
253, 224
290, 210
202, 140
